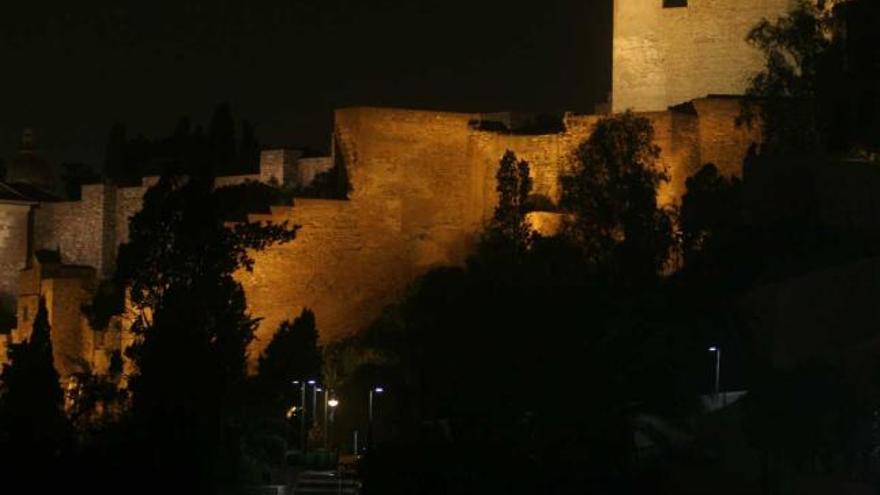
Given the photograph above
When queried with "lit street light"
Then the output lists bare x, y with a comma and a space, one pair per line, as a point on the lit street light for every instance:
329, 404
302, 419
377, 390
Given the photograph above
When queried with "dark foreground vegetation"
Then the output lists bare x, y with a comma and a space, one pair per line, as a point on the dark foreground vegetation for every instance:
569, 364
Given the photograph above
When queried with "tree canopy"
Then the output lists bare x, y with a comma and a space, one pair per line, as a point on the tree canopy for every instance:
611, 191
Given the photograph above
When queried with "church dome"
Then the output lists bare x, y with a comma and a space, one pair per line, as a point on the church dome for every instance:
28, 167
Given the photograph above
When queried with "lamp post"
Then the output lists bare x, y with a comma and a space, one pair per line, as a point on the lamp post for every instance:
717, 351
315, 390
302, 419
376, 390
331, 404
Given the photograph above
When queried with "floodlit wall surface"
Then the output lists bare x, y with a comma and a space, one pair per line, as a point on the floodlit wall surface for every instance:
13, 249
422, 188
667, 56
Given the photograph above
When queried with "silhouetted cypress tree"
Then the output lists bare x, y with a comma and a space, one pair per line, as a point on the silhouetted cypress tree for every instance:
292, 354
222, 141
33, 429
249, 149
115, 163
192, 330
513, 185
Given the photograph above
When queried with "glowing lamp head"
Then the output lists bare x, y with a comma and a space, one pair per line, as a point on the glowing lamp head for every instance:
713, 349
378, 390
332, 402
311, 382
296, 382
319, 389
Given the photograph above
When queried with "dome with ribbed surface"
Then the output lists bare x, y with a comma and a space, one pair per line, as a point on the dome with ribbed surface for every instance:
28, 167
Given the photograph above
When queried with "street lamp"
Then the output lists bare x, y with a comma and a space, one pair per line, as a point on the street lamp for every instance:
328, 405
302, 419
375, 390
717, 351
315, 390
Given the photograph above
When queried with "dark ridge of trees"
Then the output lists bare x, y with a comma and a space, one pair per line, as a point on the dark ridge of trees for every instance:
76, 175
226, 148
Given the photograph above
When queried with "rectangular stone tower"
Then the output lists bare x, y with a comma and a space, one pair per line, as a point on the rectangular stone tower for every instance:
667, 52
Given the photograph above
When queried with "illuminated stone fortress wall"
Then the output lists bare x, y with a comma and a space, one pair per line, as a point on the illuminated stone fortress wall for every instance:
423, 182
423, 186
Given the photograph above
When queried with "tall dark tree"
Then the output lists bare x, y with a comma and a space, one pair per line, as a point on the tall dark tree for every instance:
116, 167
221, 135
76, 175
711, 222
249, 148
34, 432
513, 185
612, 191
192, 328
292, 354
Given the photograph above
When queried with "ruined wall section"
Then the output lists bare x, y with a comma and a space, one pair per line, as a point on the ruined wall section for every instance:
129, 201
667, 56
346, 272
72, 341
80, 228
13, 249
722, 141
411, 177
415, 204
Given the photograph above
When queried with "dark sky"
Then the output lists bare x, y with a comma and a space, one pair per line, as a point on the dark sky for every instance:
69, 70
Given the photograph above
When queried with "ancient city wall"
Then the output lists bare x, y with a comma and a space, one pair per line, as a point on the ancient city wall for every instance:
13, 249
423, 186
667, 56
722, 141
82, 230
72, 342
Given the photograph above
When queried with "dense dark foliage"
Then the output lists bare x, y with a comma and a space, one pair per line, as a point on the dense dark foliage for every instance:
191, 329
225, 148
34, 433
818, 90
612, 192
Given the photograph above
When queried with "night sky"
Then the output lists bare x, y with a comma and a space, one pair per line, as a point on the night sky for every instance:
70, 70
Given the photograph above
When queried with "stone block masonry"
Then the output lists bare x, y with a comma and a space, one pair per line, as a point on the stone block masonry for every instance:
423, 186
668, 56
422, 189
